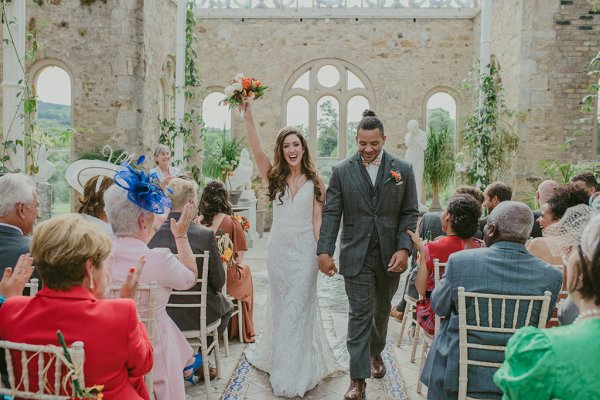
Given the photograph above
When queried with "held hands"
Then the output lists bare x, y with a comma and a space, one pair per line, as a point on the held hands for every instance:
399, 261
129, 288
14, 279
180, 228
327, 265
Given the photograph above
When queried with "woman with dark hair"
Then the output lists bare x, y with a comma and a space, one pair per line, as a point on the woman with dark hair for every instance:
294, 349
217, 215
564, 197
91, 205
460, 222
562, 362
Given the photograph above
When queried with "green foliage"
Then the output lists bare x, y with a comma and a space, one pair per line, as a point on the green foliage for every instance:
563, 172
488, 134
222, 159
440, 163
328, 129
593, 71
438, 118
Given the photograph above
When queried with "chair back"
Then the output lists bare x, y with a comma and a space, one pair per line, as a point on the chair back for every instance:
23, 360
33, 286
147, 308
514, 305
201, 295
436, 279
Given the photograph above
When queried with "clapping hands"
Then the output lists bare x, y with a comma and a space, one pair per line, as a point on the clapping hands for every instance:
129, 288
14, 279
180, 228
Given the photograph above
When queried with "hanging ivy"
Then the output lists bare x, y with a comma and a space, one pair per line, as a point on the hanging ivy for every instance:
488, 134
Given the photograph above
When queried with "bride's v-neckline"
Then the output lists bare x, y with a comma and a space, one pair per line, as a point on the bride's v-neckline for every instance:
292, 197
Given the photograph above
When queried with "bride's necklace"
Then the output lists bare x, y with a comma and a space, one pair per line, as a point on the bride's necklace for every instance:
592, 313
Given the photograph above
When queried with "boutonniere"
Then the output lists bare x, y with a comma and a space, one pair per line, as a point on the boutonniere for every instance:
394, 176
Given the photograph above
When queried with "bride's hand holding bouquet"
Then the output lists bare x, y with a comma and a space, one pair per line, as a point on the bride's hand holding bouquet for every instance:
241, 91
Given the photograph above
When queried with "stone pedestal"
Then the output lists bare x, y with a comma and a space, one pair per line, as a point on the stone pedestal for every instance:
44, 191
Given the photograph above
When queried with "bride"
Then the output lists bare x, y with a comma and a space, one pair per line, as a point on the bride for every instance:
293, 349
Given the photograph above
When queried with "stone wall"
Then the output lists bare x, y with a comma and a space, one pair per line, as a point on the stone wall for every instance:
404, 60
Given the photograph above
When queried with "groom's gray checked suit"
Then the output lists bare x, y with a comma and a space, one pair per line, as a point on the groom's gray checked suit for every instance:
375, 219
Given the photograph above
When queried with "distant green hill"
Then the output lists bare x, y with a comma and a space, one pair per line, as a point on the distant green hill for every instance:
54, 116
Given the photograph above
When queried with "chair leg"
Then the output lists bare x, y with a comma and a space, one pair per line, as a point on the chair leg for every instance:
402, 326
240, 321
205, 367
422, 364
226, 341
217, 355
413, 354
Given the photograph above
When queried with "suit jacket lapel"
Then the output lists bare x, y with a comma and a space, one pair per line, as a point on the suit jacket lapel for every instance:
361, 178
381, 170
387, 165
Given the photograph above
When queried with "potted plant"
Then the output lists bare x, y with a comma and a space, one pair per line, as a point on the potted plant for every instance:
222, 160
439, 162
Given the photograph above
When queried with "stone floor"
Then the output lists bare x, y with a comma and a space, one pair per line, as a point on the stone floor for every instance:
241, 381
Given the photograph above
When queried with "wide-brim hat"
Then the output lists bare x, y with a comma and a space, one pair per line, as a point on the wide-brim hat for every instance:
80, 171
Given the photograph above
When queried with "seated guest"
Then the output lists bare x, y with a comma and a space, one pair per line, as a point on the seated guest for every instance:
561, 363
91, 205
18, 211
430, 228
586, 181
503, 267
494, 194
545, 190
459, 222
552, 211
70, 255
164, 172
130, 206
217, 214
181, 192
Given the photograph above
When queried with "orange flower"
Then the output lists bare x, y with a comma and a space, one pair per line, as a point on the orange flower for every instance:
246, 83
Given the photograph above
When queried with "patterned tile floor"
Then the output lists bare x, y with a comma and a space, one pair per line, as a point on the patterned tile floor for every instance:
240, 381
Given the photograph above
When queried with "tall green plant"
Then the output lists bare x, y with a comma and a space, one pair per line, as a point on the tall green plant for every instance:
222, 161
488, 134
440, 162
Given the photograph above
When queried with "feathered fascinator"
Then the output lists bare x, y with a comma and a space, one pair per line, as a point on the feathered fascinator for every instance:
142, 189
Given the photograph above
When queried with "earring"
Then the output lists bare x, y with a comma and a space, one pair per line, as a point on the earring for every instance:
91, 281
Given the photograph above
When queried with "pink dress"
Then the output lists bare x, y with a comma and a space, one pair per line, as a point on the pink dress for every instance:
171, 350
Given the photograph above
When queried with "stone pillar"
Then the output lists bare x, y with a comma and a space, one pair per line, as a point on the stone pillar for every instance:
44, 191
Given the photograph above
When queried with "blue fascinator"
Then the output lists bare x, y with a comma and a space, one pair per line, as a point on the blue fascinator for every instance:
142, 189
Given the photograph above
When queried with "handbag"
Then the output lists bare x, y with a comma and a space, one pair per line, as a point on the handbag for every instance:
425, 316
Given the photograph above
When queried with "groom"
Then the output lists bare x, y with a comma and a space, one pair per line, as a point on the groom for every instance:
375, 193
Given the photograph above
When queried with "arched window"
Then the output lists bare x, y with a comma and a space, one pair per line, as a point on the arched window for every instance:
325, 99
217, 122
441, 111
53, 89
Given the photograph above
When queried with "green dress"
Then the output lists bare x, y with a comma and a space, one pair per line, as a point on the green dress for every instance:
557, 363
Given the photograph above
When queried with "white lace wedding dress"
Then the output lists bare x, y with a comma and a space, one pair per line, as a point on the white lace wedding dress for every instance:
294, 348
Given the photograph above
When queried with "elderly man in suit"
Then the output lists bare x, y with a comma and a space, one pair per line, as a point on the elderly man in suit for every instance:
181, 192
545, 190
375, 193
503, 267
18, 212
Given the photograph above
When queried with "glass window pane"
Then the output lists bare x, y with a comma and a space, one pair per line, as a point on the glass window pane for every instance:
328, 127
328, 76
441, 112
54, 118
216, 116
324, 166
302, 82
297, 114
356, 106
354, 82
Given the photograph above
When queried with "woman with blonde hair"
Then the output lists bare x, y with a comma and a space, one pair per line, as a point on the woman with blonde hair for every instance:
293, 349
70, 254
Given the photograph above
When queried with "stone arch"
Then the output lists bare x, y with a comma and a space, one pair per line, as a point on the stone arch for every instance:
307, 82
40, 65
457, 101
167, 89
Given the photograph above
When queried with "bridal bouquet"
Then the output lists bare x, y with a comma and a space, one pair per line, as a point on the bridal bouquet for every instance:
241, 90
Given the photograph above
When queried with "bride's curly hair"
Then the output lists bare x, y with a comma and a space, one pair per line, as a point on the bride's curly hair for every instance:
280, 170
214, 200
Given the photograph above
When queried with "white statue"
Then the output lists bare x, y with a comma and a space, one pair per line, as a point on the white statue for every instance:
242, 175
416, 143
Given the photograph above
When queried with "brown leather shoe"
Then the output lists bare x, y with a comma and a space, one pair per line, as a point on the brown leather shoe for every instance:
398, 315
377, 367
356, 390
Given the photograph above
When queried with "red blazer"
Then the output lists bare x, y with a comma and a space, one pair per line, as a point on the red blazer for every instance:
117, 349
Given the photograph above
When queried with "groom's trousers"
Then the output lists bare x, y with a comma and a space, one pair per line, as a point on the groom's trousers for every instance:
369, 294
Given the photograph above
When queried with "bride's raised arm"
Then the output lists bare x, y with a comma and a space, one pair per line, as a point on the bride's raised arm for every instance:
262, 160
